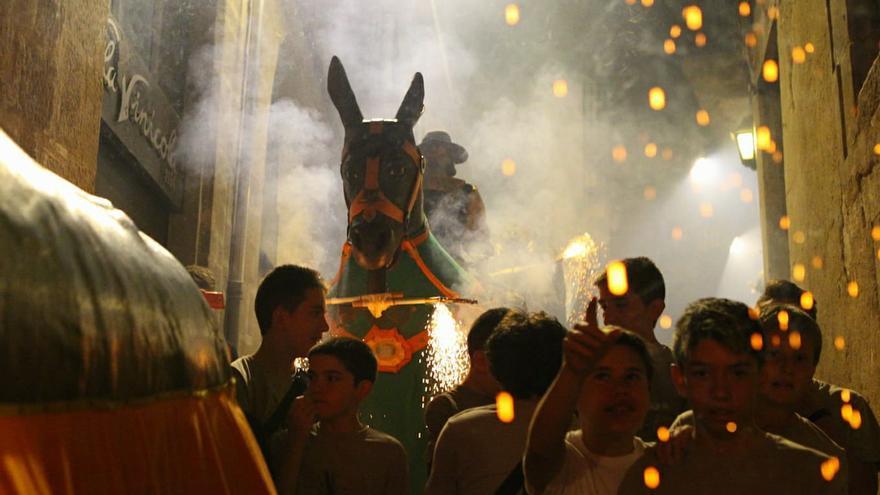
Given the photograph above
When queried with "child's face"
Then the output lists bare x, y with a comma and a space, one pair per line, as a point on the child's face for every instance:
332, 389
787, 372
628, 311
614, 397
720, 385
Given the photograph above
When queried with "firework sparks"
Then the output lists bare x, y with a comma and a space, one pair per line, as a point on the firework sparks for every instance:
580, 261
447, 358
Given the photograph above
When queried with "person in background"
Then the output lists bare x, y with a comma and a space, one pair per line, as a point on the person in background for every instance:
479, 386
823, 402
718, 370
604, 376
290, 312
638, 310
477, 452
328, 450
454, 208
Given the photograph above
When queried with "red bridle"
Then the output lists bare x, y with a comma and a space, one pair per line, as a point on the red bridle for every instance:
371, 200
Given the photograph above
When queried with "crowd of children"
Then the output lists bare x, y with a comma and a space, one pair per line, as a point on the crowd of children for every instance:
731, 408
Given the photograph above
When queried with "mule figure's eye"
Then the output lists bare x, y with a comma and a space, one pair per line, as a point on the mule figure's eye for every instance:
351, 174
397, 171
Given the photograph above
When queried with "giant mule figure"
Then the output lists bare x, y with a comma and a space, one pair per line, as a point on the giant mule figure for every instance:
389, 249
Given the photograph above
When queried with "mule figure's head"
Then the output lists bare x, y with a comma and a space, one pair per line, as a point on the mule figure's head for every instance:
381, 172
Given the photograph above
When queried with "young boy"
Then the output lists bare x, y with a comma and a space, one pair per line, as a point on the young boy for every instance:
791, 351
638, 311
339, 454
290, 312
717, 369
479, 387
823, 403
476, 452
604, 375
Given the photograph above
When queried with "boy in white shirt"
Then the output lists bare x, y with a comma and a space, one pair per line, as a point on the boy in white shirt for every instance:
605, 376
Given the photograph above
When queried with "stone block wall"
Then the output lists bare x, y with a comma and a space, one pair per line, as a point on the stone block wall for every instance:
50, 96
830, 126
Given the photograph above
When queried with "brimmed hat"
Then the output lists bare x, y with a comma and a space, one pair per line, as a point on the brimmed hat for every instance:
442, 138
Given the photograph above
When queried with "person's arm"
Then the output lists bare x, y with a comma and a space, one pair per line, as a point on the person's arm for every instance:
299, 423
545, 447
437, 412
442, 480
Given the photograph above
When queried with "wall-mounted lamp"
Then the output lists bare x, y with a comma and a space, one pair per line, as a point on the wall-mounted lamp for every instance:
745, 145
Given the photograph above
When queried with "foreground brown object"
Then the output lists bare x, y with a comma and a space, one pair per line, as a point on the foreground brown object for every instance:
117, 378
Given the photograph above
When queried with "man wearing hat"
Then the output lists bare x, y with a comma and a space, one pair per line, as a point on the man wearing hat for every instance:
456, 213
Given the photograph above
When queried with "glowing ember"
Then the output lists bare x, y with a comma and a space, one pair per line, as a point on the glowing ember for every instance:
730, 427
665, 322
650, 193
817, 262
700, 40
706, 210
798, 55
657, 98
807, 301
794, 340
855, 421
647, 3
751, 39
784, 222
757, 341
508, 167
504, 407
652, 477
845, 395
770, 70
846, 412
702, 118
677, 233
651, 150
675, 31
809, 48
782, 318
830, 468
875, 233
669, 46
666, 154
511, 14
773, 13
618, 153
775, 341
798, 272
693, 17
745, 9
663, 434
447, 358
852, 289
839, 343
762, 137
617, 281
754, 313
560, 88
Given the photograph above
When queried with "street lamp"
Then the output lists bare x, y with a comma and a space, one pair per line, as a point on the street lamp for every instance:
745, 145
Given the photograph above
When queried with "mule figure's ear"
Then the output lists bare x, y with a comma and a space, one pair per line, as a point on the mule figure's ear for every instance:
342, 95
413, 103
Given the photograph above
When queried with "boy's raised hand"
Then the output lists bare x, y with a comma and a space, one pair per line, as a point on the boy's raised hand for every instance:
586, 342
301, 416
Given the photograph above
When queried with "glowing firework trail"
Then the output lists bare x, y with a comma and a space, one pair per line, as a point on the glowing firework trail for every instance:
446, 353
580, 260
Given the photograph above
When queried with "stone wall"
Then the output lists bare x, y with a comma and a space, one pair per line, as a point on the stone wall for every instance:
50, 96
833, 185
